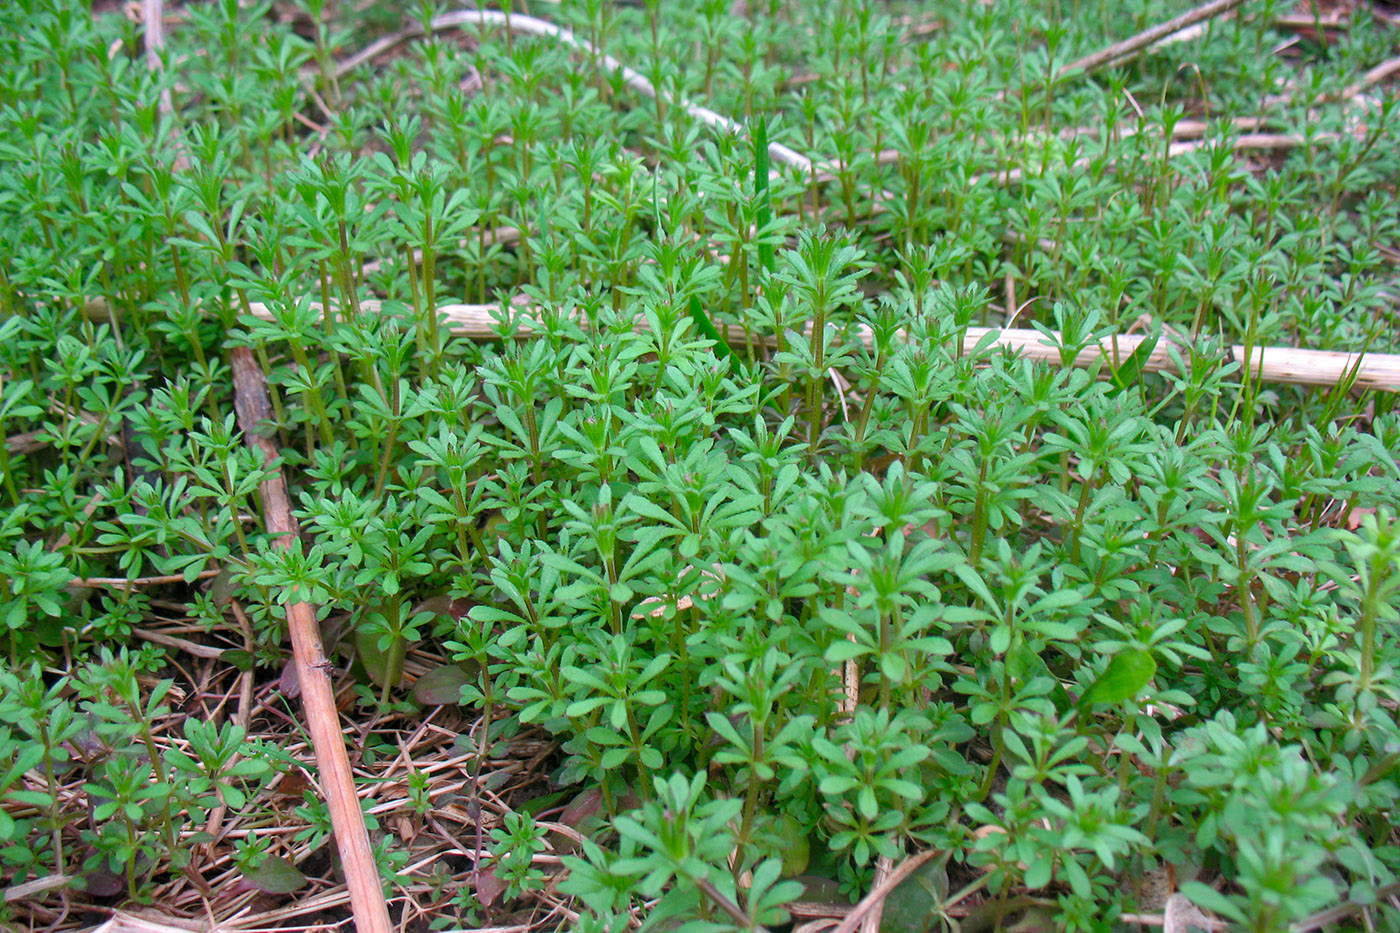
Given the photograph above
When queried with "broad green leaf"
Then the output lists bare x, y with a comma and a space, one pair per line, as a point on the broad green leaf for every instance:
1126, 674
442, 685
275, 875
708, 329
383, 663
912, 907
1132, 367
238, 658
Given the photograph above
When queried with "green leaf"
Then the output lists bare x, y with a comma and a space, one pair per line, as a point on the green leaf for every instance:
764, 205
724, 728
274, 875
912, 907
238, 658
442, 685
1132, 367
384, 665
1203, 895
1026, 664
795, 846
845, 650
708, 329
1126, 674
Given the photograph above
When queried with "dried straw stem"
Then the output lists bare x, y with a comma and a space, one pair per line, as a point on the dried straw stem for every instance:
876, 897
318, 697
1267, 364
529, 25
1129, 47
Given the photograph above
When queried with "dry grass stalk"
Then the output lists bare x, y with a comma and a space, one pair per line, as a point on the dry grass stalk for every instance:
529, 25
131, 922
313, 670
884, 867
877, 895
1119, 51
1183, 130
1269, 364
1377, 74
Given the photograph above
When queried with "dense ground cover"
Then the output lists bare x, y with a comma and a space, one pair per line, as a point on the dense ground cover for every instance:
705, 555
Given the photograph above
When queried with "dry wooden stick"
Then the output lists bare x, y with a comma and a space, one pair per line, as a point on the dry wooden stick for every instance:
124, 583
1185, 133
1268, 364
529, 25
153, 18
153, 21
317, 697
1377, 74
1183, 130
1331, 915
1129, 47
884, 868
882, 891
1245, 142
208, 652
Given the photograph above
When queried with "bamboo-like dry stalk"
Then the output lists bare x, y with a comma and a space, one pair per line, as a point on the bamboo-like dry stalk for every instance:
317, 696
1374, 76
877, 895
1267, 364
529, 25
1131, 46
1182, 144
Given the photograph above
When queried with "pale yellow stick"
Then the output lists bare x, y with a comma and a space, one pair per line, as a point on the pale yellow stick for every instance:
1268, 364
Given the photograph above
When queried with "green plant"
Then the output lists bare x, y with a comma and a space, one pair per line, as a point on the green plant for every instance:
517, 841
739, 512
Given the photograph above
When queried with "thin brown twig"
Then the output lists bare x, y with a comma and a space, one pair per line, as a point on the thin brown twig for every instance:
1306, 22
529, 25
208, 652
1245, 142
1185, 132
726, 905
1331, 915
1352, 91
153, 23
1268, 364
318, 698
1374, 76
884, 867
269, 919
244, 715
153, 19
914, 27
27, 442
882, 890
126, 583
1131, 46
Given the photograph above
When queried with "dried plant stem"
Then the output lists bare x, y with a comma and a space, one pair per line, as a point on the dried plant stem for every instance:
125, 583
1268, 364
1243, 143
318, 698
884, 868
1341, 911
1377, 74
882, 890
1183, 130
153, 21
725, 904
529, 25
194, 649
1130, 47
